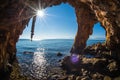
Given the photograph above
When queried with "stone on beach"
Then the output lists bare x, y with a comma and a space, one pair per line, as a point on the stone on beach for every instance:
59, 54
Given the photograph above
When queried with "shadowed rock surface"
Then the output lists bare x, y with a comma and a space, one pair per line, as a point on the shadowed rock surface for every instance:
15, 15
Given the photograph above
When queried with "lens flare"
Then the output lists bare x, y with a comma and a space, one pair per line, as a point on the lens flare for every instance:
40, 13
74, 58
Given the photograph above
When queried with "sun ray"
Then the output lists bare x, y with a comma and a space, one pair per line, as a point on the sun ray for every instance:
30, 6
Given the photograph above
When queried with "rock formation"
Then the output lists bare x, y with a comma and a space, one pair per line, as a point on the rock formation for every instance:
15, 15
85, 19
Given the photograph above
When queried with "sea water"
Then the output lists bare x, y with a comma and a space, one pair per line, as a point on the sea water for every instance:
38, 59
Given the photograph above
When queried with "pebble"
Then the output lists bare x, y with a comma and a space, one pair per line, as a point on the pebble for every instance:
63, 78
107, 78
78, 78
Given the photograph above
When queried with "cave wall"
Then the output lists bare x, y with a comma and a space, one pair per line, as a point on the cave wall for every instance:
12, 24
108, 13
15, 15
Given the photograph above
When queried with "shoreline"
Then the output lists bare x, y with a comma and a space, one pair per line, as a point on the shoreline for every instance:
88, 67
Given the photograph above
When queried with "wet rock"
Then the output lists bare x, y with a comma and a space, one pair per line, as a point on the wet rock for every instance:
68, 64
85, 78
97, 76
54, 77
59, 54
117, 78
84, 72
63, 78
78, 78
28, 52
107, 78
96, 49
59, 60
72, 77
96, 67
112, 66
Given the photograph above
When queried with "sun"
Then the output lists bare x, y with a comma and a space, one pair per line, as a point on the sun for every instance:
40, 13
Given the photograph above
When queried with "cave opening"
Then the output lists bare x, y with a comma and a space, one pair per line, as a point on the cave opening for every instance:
53, 36
98, 35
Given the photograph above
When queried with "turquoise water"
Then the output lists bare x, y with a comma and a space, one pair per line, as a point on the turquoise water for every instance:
37, 59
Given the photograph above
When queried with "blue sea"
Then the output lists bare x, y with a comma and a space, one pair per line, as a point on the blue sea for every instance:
39, 60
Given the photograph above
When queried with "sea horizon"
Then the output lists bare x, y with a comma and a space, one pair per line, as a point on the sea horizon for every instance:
57, 39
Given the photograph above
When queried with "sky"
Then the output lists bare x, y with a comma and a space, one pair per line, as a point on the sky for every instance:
59, 22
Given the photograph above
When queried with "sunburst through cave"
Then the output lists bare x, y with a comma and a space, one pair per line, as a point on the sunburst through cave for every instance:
93, 62
51, 42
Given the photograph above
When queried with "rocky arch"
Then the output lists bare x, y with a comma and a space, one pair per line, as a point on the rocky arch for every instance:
15, 15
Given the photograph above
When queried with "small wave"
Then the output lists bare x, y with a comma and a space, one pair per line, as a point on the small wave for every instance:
40, 50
